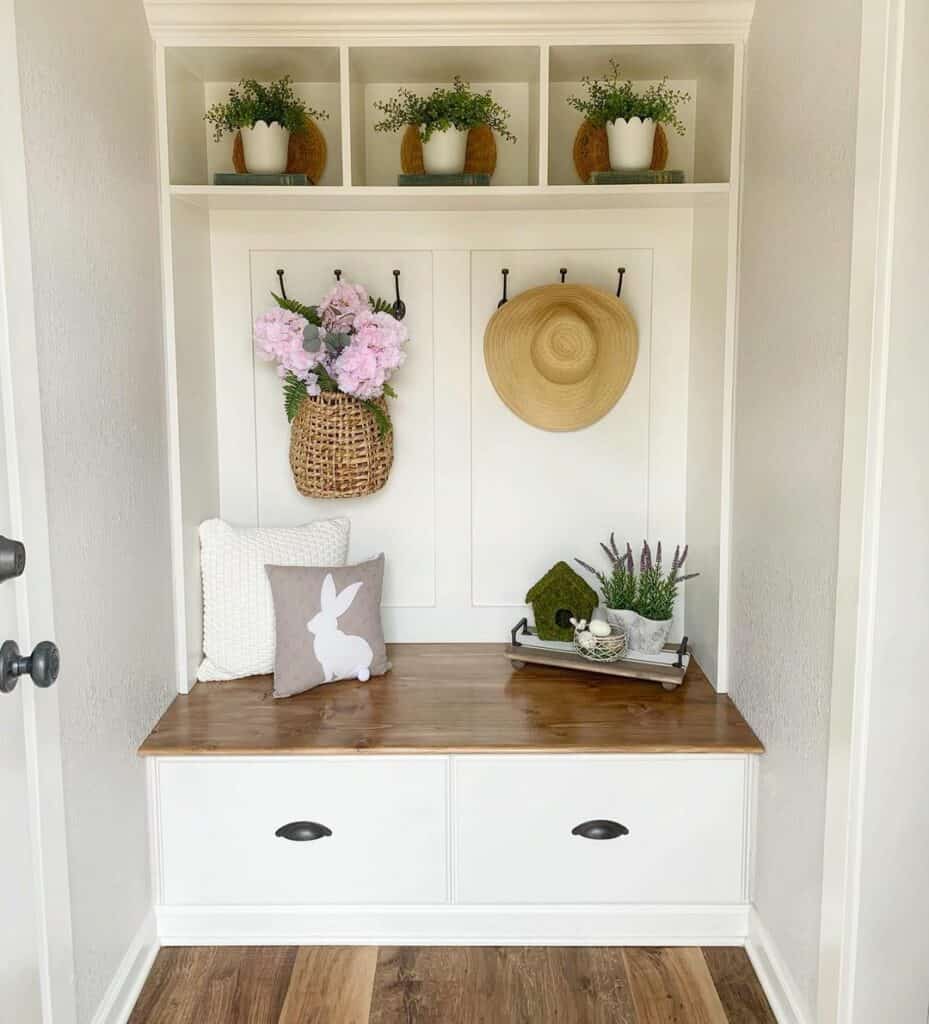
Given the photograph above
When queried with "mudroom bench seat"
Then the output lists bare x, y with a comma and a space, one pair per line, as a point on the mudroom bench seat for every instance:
455, 800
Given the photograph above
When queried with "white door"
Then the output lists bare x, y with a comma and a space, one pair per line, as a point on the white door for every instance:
36, 956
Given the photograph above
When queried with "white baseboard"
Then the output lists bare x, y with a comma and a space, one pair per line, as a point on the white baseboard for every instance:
127, 982
788, 1006
457, 926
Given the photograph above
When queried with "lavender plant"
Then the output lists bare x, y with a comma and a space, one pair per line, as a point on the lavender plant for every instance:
656, 590
618, 586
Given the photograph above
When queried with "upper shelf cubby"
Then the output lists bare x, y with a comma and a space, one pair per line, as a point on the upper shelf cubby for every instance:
197, 77
705, 71
509, 73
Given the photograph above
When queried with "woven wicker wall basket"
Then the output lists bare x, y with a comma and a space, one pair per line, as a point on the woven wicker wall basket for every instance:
336, 450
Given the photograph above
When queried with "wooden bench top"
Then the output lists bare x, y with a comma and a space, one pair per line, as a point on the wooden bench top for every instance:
455, 698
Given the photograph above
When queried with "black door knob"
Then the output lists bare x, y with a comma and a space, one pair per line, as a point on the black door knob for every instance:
42, 665
12, 559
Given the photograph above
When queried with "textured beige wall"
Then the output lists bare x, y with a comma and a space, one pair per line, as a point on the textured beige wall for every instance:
87, 95
802, 79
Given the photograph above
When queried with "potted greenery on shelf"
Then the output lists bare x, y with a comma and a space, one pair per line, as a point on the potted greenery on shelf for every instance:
266, 115
444, 118
630, 116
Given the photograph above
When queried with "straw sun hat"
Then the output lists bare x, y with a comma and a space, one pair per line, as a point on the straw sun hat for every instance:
562, 355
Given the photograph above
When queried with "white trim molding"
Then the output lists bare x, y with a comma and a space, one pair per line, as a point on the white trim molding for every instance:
787, 1005
465, 22
723, 925
127, 982
878, 133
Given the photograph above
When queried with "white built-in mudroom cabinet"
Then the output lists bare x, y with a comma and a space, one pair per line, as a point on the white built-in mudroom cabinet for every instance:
453, 786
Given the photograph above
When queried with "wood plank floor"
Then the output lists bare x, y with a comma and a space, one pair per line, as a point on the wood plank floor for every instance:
445, 985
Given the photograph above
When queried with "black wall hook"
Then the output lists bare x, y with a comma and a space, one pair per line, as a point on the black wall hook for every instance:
506, 273
619, 287
280, 277
564, 273
399, 305
338, 274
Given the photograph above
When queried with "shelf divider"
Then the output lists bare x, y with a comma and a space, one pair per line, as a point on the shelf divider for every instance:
544, 97
345, 101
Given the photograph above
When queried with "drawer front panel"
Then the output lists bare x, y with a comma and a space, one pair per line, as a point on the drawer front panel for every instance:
387, 818
679, 826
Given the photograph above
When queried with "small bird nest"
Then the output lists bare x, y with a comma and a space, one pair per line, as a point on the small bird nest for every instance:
601, 648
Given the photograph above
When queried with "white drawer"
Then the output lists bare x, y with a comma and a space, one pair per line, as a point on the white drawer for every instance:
515, 815
218, 819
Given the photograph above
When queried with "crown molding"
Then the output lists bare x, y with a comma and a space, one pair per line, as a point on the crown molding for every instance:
296, 22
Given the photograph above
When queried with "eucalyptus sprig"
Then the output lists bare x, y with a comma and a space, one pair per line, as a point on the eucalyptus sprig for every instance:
251, 102
459, 107
613, 98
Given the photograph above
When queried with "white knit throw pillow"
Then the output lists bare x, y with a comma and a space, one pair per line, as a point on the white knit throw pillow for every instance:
238, 610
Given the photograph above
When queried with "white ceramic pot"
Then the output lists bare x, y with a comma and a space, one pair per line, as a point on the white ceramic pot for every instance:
624, 619
650, 635
444, 153
265, 148
631, 143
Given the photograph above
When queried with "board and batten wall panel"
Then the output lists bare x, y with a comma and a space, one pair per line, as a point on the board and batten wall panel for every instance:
539, 495
478, 503
400, 518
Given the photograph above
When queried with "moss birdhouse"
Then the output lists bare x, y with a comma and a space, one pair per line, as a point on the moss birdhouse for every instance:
557, 598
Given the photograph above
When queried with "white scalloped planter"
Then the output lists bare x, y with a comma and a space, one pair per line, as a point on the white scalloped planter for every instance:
631, 143
624, 619
650, 635
444, 153
265, 148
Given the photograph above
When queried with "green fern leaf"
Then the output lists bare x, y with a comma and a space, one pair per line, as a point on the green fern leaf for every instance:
381, 418
308, 312
294, 395
389, 391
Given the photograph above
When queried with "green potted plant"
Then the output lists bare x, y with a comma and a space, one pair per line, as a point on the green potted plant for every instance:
444, 118
266, 115
618, 586
630, 116
655, 598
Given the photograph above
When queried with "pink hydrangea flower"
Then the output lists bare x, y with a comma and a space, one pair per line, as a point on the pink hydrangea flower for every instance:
279, 337
375, 351
385, 334
360, 368
357, 371
341, 304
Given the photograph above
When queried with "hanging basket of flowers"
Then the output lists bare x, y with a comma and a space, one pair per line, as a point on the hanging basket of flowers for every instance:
335, 360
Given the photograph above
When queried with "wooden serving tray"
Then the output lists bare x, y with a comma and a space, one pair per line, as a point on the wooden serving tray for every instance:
670, 676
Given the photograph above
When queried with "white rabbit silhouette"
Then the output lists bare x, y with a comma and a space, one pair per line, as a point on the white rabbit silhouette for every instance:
341, 656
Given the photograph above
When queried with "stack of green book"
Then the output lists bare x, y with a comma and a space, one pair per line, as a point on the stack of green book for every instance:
261, 179
443, 179
636, 178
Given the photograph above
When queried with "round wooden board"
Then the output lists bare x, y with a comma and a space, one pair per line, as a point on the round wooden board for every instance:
592, 153
306, 153
480, 156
